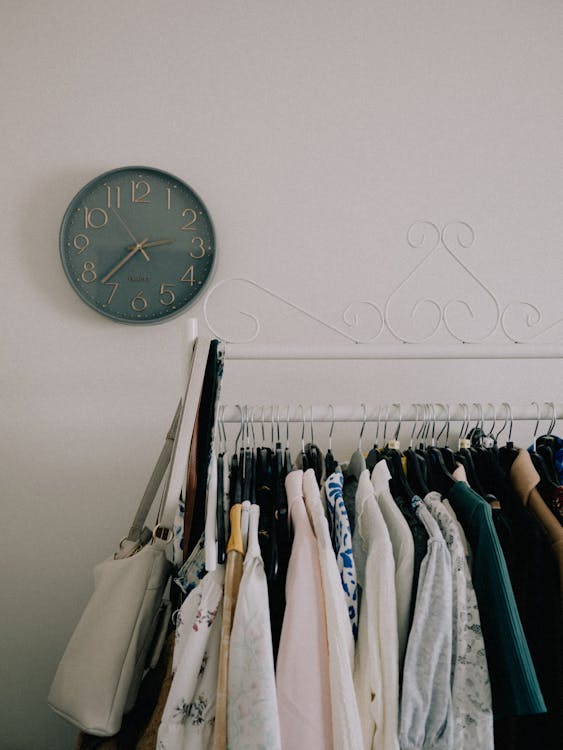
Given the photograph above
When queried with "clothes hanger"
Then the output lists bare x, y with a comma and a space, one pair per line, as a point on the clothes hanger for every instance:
398, 484
287, 454
314, 455
330, 462
439, 478
303, 459
464, 455
546, 446
507, 453
447, 453
235, 486
374, 455
546, 479
416, 465
220, 512
357, 462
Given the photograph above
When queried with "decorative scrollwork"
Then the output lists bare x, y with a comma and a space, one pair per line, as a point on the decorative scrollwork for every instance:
465, 307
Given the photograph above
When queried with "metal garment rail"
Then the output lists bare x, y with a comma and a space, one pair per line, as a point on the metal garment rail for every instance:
394, 351
390, 413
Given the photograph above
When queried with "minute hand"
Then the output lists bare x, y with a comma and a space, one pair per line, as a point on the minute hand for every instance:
152, 244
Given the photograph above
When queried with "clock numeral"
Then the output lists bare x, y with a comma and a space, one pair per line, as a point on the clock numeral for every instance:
139, 303
188, 227
88, 274
110, 190
164, 291
142, 197
168, 198
115, 285
188, 277
81, 243
90, 220
199, 242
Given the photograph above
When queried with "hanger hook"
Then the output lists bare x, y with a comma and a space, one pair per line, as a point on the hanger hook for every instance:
553, 417
493, 407
502, 429
239, 433
446, 409
312, 435
538, 410
399, 422
331, 428
415, 422
287, 429
364, 419
300, 406
385, 420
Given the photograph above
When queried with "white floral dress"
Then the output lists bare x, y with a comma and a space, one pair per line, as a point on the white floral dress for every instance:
252, 709
189, 715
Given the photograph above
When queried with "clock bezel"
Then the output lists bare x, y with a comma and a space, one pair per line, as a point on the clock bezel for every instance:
64, 238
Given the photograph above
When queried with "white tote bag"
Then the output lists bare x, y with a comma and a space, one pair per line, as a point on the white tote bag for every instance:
100, 672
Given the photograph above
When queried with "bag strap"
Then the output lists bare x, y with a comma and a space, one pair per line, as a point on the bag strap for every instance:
138, 525
163, 532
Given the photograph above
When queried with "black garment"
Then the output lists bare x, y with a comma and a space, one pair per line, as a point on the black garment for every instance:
420, 537
206, 422
349, 490
276, 584
535, 581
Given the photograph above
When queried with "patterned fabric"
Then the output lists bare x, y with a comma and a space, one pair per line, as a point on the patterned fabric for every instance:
471, 687
178, 529
253, 722
342, 544
193, 570
346, 728
189, 714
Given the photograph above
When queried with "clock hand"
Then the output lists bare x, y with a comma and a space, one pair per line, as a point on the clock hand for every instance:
153, 244
138, 247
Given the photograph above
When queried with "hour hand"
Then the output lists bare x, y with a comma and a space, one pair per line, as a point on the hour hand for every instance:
138, 247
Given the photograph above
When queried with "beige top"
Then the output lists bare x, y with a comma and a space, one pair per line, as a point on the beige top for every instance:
525, 479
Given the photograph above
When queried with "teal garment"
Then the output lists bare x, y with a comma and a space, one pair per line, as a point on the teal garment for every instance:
514, 684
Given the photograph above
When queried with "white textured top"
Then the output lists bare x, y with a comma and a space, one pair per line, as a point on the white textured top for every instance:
376, 672
403, 551
345, 716
426, 702
252, 710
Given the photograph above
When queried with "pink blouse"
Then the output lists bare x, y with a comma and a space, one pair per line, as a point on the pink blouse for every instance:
302, 678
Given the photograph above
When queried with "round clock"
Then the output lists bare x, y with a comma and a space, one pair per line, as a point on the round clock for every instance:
137, 245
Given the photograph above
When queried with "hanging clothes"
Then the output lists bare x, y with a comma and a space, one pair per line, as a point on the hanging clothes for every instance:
426, 721
344, 709
342, 545
189, 715
253, 721
470, 685
376, 672
403, 552
514, 684
302, 676
233, 575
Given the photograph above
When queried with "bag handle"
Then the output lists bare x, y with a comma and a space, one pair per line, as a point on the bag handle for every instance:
159, 470
163, 532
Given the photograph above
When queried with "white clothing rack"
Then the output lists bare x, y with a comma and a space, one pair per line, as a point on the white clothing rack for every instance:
394, 351
390, 413
324, 413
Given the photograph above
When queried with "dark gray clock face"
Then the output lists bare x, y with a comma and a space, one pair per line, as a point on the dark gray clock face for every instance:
137, 245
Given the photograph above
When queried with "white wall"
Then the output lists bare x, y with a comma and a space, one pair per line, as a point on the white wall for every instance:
316, 133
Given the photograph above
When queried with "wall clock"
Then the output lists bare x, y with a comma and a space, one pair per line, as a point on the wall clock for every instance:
137, 245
